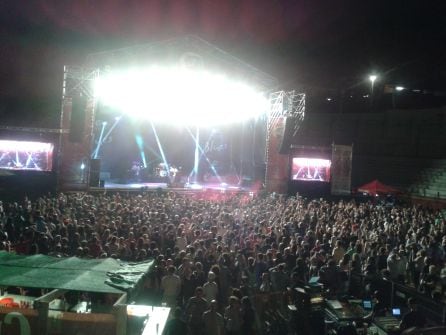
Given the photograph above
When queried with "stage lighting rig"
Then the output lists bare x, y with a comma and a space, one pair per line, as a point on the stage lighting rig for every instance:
178, 95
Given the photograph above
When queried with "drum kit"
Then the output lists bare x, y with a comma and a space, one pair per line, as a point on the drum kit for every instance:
137, 171
163, 170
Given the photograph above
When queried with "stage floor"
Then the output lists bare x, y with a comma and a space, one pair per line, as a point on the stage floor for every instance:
140, 186
134, 185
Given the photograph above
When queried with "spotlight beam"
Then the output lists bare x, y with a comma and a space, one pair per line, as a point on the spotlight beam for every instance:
203, 154
161, 150
95, 153
140, 143
117, 119
197, 153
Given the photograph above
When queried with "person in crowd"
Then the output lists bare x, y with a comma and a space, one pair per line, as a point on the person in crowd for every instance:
210, 288
430, 280
338, 252
195, 308
279, 278
443, 278
265, 285
393, 266
414, 318
175, 326
301, 271
379, 307
213, 321
330, 277
233, 317
171, 286
418, 267
248, 317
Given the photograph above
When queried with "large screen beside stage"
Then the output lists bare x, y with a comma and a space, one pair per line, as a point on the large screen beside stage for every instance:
310, 169
26, 155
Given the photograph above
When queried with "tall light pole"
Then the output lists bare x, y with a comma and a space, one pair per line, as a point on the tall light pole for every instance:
372, 79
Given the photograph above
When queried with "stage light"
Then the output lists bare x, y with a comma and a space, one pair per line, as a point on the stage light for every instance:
82, 166
373, 77
399, 88
182, 96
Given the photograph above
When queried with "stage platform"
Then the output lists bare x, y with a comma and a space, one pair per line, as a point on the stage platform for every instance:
132, 186
188, 187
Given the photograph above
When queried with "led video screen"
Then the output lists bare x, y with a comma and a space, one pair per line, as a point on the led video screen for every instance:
26, 155
310, 169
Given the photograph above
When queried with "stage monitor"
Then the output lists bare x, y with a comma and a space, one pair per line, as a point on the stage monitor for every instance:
26, 155
310, 169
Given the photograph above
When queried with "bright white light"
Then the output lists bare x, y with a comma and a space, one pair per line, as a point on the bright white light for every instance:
399, 88
27, 146
317, 162
328, 99
180, 96
373, 77
194, 186
82, 166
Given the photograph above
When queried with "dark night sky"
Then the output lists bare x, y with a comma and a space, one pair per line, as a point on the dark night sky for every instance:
325, 44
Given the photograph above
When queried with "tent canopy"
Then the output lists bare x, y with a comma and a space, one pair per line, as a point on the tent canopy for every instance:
377, 187
89, 275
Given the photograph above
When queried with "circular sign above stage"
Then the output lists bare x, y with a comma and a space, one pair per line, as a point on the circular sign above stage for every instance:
191, 60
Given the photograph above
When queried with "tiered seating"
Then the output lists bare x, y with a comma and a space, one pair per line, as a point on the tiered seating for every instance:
396, 171
432, 181
420, 177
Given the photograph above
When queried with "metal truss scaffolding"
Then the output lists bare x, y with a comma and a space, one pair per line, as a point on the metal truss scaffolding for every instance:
73, 154
190, 51
283, 105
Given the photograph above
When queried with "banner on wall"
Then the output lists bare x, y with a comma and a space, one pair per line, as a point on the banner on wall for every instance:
341, 169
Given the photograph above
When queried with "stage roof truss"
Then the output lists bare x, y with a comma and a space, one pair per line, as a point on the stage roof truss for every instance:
79, 81
287, 104
296, 103
35, 130
190, 44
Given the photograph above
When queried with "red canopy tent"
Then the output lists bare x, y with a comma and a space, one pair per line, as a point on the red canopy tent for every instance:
376, 187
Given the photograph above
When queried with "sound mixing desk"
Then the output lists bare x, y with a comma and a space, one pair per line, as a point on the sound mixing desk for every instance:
350, 311
389, 324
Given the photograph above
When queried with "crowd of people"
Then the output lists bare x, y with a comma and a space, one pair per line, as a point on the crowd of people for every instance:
214, 252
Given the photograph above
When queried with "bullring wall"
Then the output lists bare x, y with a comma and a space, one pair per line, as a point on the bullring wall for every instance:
394, 144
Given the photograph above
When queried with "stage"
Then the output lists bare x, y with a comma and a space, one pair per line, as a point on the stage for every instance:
181, 188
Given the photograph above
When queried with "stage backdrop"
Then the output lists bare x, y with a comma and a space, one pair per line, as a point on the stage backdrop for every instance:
341, 169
